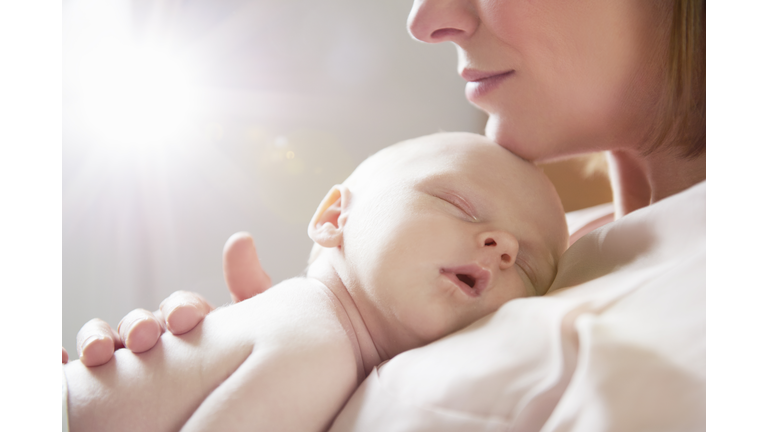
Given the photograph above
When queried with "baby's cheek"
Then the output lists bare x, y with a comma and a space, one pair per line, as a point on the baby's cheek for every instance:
430, 326
512, 289
441, 319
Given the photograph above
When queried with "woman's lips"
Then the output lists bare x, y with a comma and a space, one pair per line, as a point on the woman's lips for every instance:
480, 83
471, 279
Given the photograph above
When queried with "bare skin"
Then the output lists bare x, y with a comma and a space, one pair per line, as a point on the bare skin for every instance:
179, 313
639, 181
257, 347
497, 36
461, 244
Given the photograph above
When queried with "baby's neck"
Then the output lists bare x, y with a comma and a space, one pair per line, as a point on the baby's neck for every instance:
325, 274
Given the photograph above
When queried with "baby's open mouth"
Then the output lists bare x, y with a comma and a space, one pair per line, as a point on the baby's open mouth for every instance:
472, 279
467, 279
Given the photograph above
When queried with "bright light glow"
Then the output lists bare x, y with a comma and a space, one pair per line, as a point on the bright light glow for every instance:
138, 98
130, 96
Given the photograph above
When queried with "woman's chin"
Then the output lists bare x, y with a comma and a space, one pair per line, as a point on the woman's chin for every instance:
530, 144
504, 135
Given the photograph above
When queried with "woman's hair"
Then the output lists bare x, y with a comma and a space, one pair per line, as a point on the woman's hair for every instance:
683, 113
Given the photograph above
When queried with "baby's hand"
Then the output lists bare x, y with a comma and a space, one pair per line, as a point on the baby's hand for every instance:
179, 313
242, 269
139, 330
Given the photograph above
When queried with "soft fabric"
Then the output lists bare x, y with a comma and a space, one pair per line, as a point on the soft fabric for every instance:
622, 348
579, 218
582, 222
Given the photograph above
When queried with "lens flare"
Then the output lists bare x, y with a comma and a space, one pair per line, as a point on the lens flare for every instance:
138, 98
131, 93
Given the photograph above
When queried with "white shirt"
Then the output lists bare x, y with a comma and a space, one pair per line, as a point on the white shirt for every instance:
621, 349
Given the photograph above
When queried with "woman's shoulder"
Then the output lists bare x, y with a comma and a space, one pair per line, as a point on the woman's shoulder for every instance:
581, 222
654, 237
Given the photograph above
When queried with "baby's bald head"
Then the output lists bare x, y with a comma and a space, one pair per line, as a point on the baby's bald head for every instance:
430, 234
512, 183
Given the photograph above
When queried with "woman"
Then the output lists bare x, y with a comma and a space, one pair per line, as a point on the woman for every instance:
623, 347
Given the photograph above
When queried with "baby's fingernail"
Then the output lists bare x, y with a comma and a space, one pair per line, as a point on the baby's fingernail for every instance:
89, 340
133, 324
182, 318
96, 350
138, 340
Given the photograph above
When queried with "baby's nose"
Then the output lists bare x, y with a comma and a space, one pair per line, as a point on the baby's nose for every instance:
501, 246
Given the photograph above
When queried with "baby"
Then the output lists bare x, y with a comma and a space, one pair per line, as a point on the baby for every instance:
424, 238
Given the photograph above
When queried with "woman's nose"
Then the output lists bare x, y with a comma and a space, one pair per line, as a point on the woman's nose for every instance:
434, 21
500, 245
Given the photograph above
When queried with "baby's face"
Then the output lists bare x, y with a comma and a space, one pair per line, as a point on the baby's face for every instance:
444, 229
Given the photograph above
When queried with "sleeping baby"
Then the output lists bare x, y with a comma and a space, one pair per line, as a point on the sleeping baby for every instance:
424, 238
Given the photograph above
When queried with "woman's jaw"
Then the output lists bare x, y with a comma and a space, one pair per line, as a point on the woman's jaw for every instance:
557, 79
533, 145
542, 118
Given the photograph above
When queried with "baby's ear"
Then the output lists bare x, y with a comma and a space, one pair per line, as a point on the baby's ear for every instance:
327, 225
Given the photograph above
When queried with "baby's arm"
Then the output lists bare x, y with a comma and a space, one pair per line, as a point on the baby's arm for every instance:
279, 361
179, 313
297, 381
164, 385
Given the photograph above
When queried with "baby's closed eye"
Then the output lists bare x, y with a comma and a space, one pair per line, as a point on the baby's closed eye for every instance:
464, 206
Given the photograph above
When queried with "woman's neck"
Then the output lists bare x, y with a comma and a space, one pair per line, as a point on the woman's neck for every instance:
639, 180
324, 272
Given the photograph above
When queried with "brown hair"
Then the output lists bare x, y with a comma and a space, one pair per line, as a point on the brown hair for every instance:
683, 113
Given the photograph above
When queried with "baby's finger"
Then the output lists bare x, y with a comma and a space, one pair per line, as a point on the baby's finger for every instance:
183, 311
242, 269
96, 342
139, 330
64, 356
